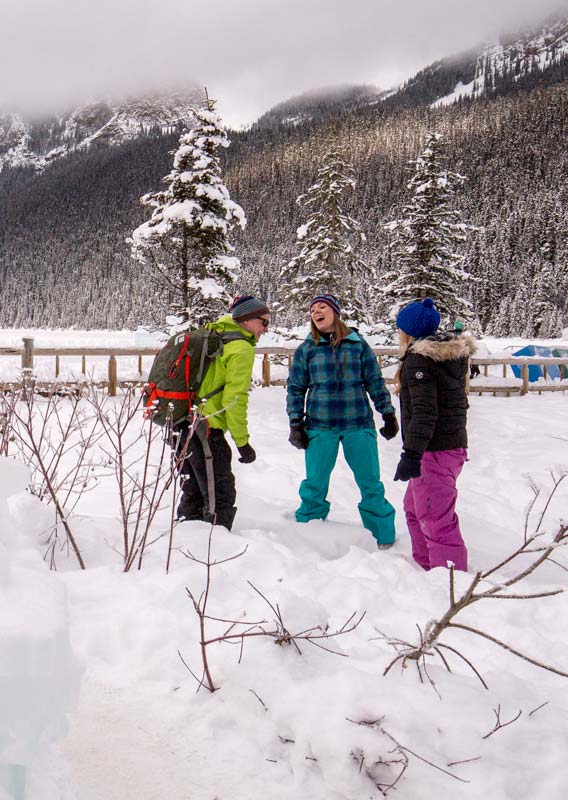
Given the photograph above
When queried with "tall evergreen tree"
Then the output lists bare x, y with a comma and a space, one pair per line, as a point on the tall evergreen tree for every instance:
185, 242
520, 323
428, 239
328, 259
545, 307
500, 321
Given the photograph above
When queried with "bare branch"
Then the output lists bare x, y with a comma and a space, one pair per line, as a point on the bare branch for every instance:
538, 708
500, 725
262, 703
510, 649
199, 681
403, 750
556, 483
463, 761
467, 661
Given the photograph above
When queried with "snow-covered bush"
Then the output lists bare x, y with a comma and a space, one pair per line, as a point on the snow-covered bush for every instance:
39, 674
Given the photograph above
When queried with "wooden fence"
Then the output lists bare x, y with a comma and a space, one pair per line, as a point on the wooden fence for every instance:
508, 386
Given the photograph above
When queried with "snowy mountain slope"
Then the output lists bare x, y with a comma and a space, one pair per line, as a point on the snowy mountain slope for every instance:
512, 59
37, 143
493, 68
318, 104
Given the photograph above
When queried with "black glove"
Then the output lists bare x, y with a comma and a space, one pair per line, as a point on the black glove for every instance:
247, 454
408, 466
298, 436
390, 428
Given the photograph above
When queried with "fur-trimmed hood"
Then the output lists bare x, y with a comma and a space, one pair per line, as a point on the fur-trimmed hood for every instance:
444, 346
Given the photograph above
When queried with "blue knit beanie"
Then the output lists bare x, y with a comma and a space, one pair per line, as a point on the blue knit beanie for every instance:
330, 300
247, 307
419, 319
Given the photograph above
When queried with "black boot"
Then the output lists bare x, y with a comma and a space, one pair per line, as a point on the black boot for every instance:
188, 509
224, 517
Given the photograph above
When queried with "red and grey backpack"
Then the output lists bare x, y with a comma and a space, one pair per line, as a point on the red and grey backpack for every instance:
177, 373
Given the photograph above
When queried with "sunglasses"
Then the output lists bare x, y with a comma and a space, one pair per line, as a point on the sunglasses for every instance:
265, 322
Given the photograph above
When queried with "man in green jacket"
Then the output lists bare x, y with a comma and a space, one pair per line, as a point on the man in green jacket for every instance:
206, 475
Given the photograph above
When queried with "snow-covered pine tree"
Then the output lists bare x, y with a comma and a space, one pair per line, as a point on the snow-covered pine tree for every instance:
546, 316
185, 242
500, 321
520, 312
428, 239
328, 259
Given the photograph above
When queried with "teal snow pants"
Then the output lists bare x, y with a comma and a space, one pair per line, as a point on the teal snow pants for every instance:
362, 455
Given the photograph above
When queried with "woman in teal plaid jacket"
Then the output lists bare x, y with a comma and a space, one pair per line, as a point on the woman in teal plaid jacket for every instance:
333, 374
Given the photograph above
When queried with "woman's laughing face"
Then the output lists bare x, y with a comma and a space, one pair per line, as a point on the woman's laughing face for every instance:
323, 317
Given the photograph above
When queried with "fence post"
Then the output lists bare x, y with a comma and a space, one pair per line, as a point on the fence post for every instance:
83, 365
265, 370
57, 365
28, 354
525, 377
112, 376
140, 363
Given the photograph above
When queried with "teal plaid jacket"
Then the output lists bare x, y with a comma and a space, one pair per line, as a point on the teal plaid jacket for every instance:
338, 381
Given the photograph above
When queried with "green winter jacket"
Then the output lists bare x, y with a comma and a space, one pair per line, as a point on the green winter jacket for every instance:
233, 370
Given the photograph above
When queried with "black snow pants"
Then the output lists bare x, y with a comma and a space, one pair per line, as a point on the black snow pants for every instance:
195, 489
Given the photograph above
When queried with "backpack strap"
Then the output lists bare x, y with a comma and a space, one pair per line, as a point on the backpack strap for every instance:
209, 395
232, 336
204, 348
225, 338
153, 394
202, 432
175, 366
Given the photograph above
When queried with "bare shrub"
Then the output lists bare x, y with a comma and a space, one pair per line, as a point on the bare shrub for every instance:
7, 401
481, 588
53, 434
143, 473
387, 771
238, 630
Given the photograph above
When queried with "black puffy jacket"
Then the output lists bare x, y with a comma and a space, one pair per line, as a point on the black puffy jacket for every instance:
433, 400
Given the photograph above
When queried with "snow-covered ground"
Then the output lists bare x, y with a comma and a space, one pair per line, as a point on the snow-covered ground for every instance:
283, 724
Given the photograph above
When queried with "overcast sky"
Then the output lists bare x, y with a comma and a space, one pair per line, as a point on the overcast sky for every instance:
251, 54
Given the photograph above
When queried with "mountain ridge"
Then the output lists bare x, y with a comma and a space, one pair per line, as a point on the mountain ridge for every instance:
493, 68
36, 143
490, 68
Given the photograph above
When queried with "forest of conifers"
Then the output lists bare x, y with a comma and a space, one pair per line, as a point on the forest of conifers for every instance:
64, 260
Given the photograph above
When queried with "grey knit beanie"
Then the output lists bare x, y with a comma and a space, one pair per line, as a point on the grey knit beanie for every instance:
247, 307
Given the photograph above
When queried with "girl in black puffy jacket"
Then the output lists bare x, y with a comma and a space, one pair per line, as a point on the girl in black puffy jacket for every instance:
433, 402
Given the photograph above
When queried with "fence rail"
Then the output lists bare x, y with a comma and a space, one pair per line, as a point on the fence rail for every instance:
28, 351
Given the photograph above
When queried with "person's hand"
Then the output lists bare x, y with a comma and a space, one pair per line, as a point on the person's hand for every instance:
248, 454
298, 436
408, 466
390, 428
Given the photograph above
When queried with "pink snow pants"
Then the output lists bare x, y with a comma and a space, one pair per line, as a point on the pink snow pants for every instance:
430, 508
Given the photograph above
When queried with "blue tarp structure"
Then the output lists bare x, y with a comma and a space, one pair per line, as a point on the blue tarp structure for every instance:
536, 371
561, 352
